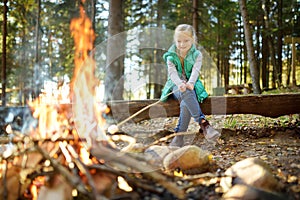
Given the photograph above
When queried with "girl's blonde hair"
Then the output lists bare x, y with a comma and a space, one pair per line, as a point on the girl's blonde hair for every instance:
188, 28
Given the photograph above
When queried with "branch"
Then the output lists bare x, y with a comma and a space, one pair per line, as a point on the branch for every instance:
73, 180
113, 157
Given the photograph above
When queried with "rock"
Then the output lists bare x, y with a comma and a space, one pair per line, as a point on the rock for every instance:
246, 192
155, 154
187, 158
252, 172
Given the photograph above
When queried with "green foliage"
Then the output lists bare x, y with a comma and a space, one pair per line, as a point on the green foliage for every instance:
220, 33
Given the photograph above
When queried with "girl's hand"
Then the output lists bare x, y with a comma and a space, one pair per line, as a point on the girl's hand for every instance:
189, 86
182, 87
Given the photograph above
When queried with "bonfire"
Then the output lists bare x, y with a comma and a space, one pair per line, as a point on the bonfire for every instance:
65, 154
70, 152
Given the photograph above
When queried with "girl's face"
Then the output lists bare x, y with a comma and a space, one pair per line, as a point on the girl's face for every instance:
183, 41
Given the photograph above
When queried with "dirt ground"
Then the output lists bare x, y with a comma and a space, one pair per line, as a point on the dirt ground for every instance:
276, 141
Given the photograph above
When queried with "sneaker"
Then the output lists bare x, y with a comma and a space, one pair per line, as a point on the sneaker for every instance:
209, 132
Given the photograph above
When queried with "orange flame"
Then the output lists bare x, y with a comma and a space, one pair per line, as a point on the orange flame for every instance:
55, 119
84, 37
87, 113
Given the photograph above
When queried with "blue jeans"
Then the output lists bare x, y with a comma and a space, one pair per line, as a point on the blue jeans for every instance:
189, 107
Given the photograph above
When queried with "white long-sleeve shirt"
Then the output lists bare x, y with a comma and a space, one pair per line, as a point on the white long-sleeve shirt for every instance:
173, 73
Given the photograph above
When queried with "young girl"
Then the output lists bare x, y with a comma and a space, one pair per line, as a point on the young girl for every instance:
184, 63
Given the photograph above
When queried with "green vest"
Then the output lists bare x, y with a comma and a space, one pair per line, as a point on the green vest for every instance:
189, 62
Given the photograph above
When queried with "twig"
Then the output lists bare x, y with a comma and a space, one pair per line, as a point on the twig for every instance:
129, 178
197, 176
84, 170
111, 156
143, 109
5, 140
125, 138
163, 139
73, 180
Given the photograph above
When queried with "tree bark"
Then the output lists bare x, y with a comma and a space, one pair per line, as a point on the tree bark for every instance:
264, 62
4, 34
158, 53
114, 83
282, 104
250, 49
36, 71
270, 39
195, 16
280, 41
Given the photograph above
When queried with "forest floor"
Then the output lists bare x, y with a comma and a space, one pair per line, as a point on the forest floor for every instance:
275, 141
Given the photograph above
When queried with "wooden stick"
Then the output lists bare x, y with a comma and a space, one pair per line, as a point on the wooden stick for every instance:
143, 109
75, 181
5, 140
168, 137
114, 157
83, 168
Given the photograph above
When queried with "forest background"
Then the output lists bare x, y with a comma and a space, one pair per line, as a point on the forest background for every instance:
37, 47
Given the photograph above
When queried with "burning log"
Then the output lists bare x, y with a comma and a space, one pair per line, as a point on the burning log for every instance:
67, 168
66, 143
138, 167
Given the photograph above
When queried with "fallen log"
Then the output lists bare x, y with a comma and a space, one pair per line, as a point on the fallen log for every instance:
265, 105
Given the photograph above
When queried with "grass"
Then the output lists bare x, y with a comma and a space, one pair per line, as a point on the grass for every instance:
284, 90
247, 120
243, 120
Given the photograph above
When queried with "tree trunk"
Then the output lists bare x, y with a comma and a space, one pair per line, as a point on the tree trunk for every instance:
195, 16
264, 63
279, 41
36, 71
265, 56
240, 31
271, 45
226, 65
4, 34
250, 50
157, 55
289, 67
114, 83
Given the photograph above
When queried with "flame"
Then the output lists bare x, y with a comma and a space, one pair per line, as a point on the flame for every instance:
84, 36
35, 186
56, 118
51, 119
87, 112
123, 185
84, 156
178, 173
